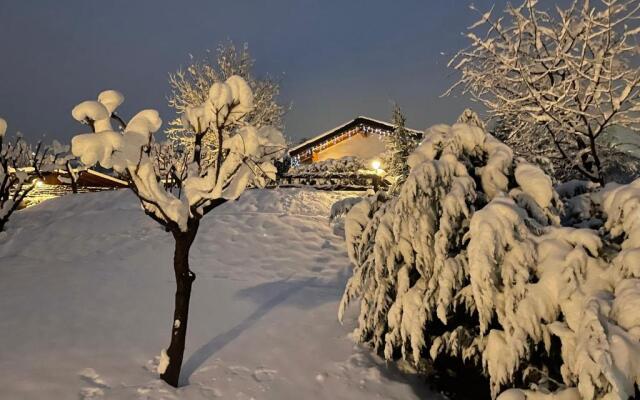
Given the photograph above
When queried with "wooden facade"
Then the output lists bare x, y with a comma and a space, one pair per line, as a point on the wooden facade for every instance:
361, 137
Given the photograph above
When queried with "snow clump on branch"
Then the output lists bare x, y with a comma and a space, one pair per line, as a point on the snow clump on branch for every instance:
245, 159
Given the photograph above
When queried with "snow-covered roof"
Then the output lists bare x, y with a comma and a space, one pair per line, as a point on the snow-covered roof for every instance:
88, 177
339, 129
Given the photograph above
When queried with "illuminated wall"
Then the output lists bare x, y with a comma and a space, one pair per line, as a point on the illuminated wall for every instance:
359, 145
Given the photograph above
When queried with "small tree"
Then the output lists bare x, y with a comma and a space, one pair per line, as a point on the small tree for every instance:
190, 88
399, 146
61, 158
175, 196
566, 77
470, 117
20, 166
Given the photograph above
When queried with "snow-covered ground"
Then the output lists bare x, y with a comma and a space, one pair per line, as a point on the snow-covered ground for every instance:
86, 300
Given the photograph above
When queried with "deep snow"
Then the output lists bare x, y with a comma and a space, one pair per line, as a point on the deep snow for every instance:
86, 302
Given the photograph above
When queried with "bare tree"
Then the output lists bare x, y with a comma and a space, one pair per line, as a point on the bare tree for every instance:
20, 166
190, 87
566, 76
178, 196
61, 158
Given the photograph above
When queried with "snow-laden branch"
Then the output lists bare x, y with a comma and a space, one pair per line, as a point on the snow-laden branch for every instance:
190, 87
245, 156
569, 76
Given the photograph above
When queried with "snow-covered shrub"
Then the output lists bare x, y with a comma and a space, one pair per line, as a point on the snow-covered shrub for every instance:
341, 207
470, 262
470, 117
338, 212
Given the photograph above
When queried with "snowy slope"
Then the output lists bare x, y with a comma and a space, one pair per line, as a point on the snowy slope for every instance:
86, 297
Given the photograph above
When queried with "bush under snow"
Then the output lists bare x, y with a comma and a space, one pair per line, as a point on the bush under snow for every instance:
470, 262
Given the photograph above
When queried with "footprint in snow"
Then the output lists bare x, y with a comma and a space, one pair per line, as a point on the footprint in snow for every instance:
264, 374
322, 377
90, 375
152, 365
89, 393
97, 388
327, 245
239, 370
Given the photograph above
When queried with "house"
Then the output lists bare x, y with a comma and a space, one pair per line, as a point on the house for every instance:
56, 183
89, 178
362, 137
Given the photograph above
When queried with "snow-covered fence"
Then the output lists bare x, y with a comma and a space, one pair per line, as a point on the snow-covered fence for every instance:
346, 173
333, 181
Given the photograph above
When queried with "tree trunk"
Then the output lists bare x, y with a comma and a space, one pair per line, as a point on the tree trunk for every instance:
184, 280
74, 183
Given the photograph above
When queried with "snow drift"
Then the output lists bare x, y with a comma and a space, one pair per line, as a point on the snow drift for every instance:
84, 289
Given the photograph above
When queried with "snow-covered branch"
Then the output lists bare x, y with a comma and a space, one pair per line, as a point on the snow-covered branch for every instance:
175, 190
398, 146
190, 87
567, 77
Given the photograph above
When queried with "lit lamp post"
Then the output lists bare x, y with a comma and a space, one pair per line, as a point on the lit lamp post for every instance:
375, 164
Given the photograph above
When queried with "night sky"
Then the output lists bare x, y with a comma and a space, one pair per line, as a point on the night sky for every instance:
336, 59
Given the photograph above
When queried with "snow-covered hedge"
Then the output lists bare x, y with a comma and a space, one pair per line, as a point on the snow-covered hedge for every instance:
470, 262
344, 165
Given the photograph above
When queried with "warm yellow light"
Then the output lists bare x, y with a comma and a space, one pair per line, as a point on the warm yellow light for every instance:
39, 183
375, 164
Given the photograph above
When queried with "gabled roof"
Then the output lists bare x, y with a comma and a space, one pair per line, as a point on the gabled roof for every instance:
344, 127
86, 178
95, 178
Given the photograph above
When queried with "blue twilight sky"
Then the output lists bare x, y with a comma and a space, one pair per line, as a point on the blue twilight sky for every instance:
338, 59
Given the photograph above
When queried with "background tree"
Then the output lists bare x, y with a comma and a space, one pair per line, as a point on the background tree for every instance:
566, 77
20, 166
244, 157
398, 146
190, 87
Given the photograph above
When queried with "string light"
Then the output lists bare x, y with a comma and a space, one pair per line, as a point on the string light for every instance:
360, 128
